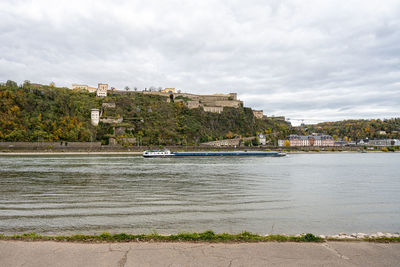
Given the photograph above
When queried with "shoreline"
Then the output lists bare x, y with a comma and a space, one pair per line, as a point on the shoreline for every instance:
207, 236
139, 153
70, 153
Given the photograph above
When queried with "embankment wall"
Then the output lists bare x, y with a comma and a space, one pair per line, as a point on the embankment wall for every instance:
49, 145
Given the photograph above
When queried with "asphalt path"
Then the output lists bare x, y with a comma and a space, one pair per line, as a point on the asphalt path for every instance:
48, 253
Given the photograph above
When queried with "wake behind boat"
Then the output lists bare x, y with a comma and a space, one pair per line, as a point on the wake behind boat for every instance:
167, 153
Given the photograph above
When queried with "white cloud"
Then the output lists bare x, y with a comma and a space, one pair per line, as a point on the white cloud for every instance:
316, 60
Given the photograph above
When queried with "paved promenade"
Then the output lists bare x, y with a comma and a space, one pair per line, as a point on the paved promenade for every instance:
19, 253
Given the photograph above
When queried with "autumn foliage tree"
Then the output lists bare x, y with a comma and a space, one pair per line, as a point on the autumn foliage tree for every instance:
32, 112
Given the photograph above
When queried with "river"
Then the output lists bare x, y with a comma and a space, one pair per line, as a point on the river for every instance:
300, 193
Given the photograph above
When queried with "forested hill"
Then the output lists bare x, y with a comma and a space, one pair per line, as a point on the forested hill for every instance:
47, 113
358, 129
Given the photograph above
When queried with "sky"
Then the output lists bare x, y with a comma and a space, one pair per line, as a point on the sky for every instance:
311, 60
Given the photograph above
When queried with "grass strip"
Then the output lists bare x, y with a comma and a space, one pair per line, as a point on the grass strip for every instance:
207, 236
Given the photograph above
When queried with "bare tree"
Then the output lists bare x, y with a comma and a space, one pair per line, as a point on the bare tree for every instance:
127, 88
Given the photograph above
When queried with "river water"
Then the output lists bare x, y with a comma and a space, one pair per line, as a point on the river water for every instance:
317, 193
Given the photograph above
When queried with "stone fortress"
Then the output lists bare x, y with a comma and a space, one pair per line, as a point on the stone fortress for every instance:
209, 103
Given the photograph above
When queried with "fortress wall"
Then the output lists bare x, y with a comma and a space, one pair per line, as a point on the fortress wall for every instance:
213, 109
154, 93
46, 145
119, 120
108, 105
229, 103
214, 98
221, 103
193, 104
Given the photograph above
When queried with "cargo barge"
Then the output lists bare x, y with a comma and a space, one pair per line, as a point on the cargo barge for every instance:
167, 153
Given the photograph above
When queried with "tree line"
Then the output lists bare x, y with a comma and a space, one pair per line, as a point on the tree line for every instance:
32, 112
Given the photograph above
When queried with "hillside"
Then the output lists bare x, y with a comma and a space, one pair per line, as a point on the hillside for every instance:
358, 129
47, 113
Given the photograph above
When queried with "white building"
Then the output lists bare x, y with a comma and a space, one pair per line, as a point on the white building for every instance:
384, 142
95, 116
76, 86
102, 89
308, 140
79, 86
262, 139
92, 89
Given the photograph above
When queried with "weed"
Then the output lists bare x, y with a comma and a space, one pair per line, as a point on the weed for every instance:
311, 238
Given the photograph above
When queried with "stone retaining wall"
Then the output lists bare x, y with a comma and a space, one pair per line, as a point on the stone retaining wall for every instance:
112, 121
49, 145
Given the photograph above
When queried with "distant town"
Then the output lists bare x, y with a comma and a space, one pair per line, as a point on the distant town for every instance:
216, 103
322, 140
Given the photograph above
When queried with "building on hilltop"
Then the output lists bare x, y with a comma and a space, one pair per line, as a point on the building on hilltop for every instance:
79, 86
102, 89
91, 89
210, 103
168, 90
258, 114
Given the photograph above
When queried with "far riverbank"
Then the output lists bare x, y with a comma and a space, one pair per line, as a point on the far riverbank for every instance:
139, 153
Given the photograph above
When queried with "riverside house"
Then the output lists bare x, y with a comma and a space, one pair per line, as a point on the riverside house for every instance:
383, 142
308, 140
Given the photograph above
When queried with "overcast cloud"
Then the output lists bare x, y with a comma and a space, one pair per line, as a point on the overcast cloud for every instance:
312, 60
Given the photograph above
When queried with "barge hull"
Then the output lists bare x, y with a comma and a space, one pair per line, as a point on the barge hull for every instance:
208, 154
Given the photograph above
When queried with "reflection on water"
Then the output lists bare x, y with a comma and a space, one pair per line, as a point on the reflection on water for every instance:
318, 193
